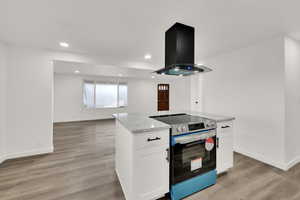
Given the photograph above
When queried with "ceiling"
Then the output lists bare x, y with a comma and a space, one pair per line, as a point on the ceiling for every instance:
85, 69
122, 32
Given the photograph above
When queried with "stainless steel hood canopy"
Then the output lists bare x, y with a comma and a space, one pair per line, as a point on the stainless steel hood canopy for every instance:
180, 52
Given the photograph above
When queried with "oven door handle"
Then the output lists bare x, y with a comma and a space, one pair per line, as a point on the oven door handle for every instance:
190, 141
191, 138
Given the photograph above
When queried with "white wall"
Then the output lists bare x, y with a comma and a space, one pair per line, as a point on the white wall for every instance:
197, 102
29, 102
292, 99
142, 97
68, 100
3, 67
249, 84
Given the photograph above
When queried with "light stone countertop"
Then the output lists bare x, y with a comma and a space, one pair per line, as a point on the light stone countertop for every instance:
139, 123
217, 118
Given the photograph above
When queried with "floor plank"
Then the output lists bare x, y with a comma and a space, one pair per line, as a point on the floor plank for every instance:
82, 168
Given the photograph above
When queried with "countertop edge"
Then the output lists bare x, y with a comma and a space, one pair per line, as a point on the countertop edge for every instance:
149, 130
145, 130
224, 120
216, 118
165, 126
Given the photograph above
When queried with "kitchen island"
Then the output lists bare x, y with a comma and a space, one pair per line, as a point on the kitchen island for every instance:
142, 152
136, 121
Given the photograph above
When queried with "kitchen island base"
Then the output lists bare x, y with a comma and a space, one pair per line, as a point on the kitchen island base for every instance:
141, 163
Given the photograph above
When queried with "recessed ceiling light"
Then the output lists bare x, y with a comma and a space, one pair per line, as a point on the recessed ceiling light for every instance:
148, 56
64, 44
76, 71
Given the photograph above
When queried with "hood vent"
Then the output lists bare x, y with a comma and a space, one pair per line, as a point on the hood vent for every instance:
180, 52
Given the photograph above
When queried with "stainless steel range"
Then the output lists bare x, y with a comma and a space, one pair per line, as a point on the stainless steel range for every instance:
184, 123
193, 144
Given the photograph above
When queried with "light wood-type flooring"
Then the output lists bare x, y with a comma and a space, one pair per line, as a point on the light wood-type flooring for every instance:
82, 168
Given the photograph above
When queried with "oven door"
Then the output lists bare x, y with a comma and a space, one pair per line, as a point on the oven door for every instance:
192, 155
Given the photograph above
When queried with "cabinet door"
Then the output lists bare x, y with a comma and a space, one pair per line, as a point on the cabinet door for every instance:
151, 171
225, 148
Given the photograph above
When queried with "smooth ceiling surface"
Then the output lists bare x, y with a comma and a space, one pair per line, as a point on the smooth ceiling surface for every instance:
85, 69
122, 32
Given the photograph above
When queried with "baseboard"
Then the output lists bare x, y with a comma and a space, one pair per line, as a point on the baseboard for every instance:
2, 159
88, 120
30, 153
262, 158
292, 163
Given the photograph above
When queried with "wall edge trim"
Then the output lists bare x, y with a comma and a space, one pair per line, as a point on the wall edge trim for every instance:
87, 120
2, 159
292, 163
27, 153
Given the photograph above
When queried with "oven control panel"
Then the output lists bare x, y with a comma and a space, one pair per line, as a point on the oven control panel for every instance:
193, 127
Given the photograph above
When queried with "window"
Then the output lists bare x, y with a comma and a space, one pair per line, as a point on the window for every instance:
122, 95
104, 95
89, 94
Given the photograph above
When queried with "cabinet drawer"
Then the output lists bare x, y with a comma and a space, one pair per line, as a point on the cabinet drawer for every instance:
151, 139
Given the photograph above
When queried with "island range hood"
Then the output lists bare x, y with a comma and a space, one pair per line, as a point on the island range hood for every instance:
180, 52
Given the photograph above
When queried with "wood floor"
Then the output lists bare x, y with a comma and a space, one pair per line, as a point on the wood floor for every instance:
82, 168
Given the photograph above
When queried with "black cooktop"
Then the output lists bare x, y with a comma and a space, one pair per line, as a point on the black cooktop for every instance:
181, 118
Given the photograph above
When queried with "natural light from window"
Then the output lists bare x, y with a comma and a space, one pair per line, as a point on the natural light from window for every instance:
104, 95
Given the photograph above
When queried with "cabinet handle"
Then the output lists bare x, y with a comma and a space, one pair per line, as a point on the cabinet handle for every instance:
217, 142
168, 155
153, 139
225, 126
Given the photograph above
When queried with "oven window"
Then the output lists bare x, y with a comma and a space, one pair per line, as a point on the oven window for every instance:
192, 159
193, 152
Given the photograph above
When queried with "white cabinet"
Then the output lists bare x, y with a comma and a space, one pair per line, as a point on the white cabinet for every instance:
225, 147
141, 163
151, 173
